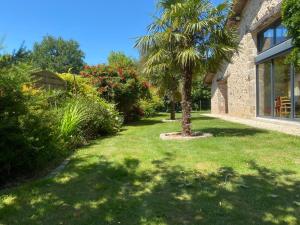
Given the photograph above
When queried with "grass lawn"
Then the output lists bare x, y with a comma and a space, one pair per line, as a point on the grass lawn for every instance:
240, 176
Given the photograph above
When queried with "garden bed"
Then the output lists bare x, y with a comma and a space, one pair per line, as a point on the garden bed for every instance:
178, 136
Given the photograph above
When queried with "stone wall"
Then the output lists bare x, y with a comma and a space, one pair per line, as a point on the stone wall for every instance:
240, 74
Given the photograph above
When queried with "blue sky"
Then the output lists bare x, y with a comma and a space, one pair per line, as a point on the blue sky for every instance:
99, 26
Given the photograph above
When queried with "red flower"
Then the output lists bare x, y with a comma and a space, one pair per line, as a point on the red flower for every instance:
146, 84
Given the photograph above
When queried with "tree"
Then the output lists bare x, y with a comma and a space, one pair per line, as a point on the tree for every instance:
168, 83
1, 43
120, 60
291, 19
201, 94
161, 67
21, 55
195, 34
58, 55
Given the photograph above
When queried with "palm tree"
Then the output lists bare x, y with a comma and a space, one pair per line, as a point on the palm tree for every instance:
160, 67
193, 34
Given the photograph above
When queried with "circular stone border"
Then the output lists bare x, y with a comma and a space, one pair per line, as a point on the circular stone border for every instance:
170, 121
178, 136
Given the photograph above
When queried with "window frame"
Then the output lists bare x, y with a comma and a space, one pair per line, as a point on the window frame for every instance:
260, 36
292, 73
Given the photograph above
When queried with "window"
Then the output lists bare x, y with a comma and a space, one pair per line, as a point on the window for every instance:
280, 34
271, 36
266, 39
278, 89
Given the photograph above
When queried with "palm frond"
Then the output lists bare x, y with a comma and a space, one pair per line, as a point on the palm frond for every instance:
188, 56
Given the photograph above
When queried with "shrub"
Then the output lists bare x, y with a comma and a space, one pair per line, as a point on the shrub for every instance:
73, 117
85, 118
103, 118
28, 138
152, 105
120, 86
291, 19
37, 127
78, 85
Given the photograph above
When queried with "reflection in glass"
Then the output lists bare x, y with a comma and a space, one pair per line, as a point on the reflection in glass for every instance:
282, 88
267, 39
297, 92
281, 34
264, 85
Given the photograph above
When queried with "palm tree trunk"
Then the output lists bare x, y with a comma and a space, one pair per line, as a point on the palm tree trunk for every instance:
186, 102
172, 112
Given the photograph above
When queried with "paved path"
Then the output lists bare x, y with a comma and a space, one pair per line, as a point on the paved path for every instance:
287, 127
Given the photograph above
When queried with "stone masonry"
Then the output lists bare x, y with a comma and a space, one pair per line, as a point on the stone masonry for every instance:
234, 86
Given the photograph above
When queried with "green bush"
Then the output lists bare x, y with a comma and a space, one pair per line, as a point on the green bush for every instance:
103, 118
86, 118
38, 127
98, 117
291, 19
152, 105
28, 137
121, 86
73, 117
78, 85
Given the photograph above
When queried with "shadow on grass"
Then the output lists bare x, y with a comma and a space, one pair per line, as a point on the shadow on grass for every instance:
232, 132
195, 118
103, 192
144, 122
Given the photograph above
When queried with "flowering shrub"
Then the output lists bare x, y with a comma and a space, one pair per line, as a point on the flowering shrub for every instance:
120, 86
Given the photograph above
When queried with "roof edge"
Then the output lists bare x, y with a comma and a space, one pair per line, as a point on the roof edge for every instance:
237, 9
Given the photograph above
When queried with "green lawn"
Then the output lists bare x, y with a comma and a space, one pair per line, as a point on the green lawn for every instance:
240, 176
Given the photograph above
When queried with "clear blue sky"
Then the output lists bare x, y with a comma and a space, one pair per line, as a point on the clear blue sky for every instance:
100, 26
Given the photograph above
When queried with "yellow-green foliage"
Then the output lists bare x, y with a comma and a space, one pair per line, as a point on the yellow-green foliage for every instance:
152, 105
79, 85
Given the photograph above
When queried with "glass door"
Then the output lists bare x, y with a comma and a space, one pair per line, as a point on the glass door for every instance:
278, 93
297, 93
265, 89
282, 88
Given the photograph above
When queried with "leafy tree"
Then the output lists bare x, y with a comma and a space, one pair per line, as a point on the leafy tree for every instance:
193, 33
1, 43
201, 94
120, 60
58, 55
168, 86
291, 19
21, 55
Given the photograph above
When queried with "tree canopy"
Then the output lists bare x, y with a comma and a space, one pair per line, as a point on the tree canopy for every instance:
20, 55
193, 34
120, 60
291, 19
58, 55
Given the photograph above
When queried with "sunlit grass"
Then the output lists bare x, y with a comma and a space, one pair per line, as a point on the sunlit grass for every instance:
240, 176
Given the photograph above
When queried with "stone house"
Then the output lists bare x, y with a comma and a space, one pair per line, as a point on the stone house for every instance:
258, 82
